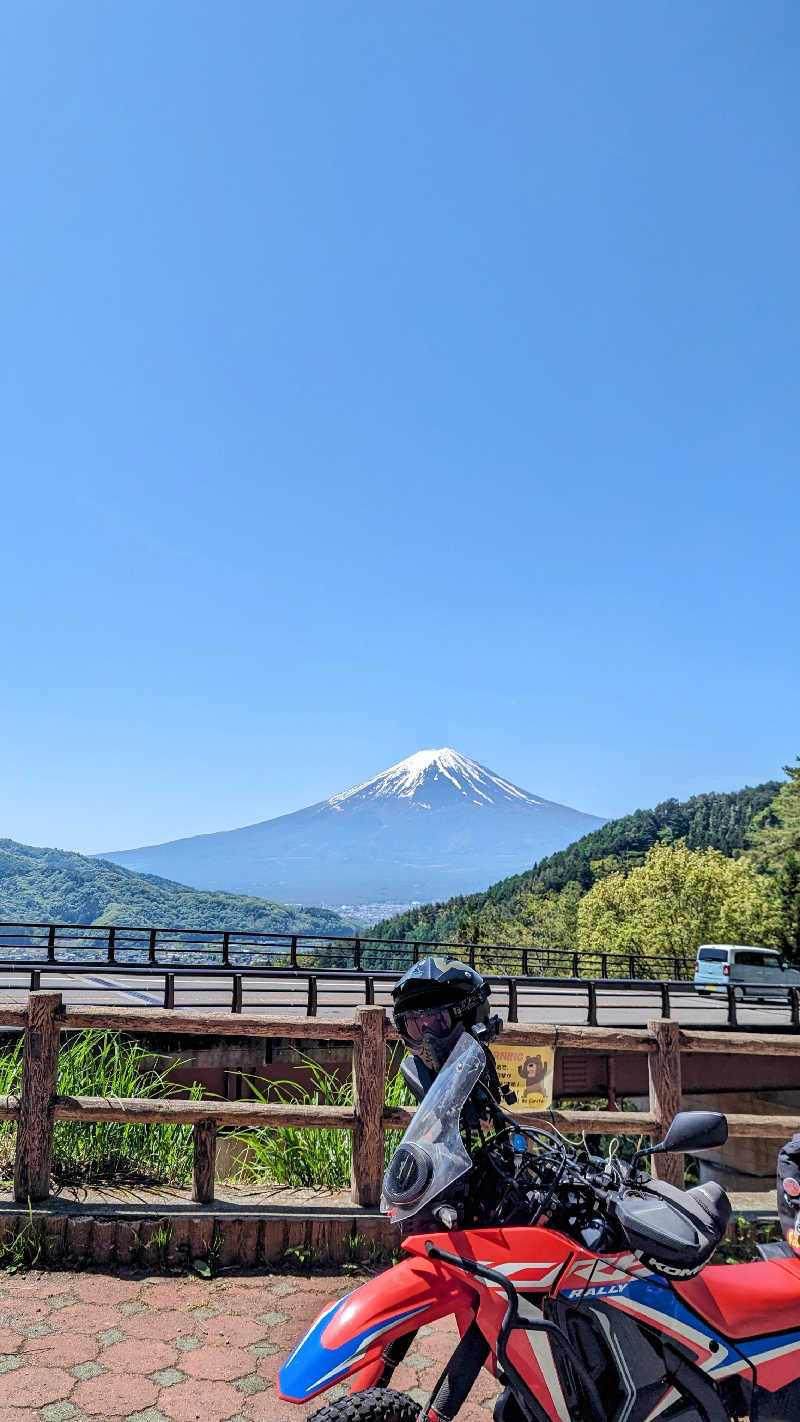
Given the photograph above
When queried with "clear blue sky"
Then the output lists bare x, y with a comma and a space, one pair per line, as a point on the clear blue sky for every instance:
378, 377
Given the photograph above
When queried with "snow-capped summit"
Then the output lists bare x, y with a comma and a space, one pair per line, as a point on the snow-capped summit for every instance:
434, 824
415, 778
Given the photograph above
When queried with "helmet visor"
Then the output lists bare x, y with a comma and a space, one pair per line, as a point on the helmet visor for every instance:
425, 1022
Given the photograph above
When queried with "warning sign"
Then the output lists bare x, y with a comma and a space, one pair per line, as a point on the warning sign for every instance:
529, 1072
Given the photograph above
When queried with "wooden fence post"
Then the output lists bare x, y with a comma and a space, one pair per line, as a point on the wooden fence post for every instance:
664, 1071
369, 1097
204, 1141
37, 1097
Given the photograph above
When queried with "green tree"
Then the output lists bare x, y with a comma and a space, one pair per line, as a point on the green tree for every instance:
775, 850
676, 900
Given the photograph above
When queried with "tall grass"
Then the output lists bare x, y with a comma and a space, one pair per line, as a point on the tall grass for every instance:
308, 1156
104, 1064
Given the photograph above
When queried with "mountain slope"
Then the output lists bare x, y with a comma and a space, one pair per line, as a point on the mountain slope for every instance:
714, 820
434, 824
54, 885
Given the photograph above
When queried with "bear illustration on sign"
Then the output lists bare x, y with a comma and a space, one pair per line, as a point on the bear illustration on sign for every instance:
532, 1071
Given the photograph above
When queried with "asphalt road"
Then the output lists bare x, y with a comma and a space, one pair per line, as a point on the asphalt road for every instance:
338, 997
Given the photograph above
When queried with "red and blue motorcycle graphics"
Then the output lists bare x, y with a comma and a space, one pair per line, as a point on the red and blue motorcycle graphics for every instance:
730, 1321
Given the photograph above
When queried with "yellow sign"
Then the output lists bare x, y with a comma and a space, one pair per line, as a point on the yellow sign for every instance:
529, 1072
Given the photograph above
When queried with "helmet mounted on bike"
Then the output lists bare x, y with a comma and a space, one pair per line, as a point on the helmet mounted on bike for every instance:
434, 1002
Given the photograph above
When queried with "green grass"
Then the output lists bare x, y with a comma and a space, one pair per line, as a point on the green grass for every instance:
105, 1064
309, 1157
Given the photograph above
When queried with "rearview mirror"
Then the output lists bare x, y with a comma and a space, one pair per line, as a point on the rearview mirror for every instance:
695, 1130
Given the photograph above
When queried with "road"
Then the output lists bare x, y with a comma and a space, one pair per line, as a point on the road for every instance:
337, 997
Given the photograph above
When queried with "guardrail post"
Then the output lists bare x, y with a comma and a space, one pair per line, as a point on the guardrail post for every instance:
591, 1006
357, 953
169, 990
575, 966
665, 1012
51, 943
664, 1071
293, 952
311, 1004
794, 1002
226, 944
732, 1018
525, 972
37, 1097
204, 1140
415, 953
151, 946
369, 990
604, 965
369, 1096
112, 939
513, 1009
36, 980
236, 1002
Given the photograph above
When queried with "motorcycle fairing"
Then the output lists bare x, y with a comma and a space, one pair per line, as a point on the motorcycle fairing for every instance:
773, 1357
349, 1336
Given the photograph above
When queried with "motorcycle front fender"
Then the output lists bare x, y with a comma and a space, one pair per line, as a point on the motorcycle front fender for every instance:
349, 1336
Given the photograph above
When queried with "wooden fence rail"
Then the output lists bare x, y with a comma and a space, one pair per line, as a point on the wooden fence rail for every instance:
39, 1105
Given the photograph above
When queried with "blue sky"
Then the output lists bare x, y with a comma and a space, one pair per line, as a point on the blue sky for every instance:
383, 377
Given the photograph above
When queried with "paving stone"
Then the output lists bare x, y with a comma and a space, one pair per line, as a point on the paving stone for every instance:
115, 1394
134, 1356
57, 1411
250, 1384
106, 1289
203, 1313
217, 1363
35, 1387
417, 1361
200, 1401
168, 1377
188, 1343
9, 1362
61, 1350
9, 1340
38, 1330
132, 1307
111, 1335
86, 1370
150, 1414
282, 1291
271, 1319
263, 1350
230, 1328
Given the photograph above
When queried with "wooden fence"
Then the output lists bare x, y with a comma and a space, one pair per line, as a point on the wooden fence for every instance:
39, 1106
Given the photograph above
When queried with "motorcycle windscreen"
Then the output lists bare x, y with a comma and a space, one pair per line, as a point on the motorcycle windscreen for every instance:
432, 1155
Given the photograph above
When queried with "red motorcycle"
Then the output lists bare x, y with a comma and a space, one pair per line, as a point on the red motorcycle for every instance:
579, 1281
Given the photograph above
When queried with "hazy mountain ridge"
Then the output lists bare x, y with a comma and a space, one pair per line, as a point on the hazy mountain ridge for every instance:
433, 824
56, 885
718, 820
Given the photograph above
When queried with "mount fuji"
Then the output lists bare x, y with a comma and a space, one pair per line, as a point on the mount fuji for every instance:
433, 825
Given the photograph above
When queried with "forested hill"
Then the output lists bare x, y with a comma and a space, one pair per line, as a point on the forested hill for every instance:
717, 821
56, 886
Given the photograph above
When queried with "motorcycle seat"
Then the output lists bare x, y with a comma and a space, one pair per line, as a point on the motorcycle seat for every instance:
746, 1300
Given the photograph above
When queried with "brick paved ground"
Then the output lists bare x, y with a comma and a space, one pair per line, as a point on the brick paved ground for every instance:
85, 1347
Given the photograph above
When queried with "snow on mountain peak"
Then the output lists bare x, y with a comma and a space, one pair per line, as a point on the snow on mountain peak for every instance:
445, 767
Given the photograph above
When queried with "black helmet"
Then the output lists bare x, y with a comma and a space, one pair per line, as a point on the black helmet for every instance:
434, 1002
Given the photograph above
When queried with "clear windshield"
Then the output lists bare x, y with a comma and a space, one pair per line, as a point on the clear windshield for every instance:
432, 1155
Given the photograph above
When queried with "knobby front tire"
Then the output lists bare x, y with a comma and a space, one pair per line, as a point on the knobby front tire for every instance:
374, 1404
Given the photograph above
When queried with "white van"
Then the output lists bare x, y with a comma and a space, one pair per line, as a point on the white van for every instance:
758, 973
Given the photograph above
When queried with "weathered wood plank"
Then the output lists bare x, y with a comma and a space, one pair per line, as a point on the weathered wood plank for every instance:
39, 1073
188, 1113
772, 1128
204, 1139
369, 1092
210, 1024
13, 1015
779, 1044
599, 1039
664, 1071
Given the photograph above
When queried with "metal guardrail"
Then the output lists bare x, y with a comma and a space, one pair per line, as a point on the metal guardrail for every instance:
74, 944
187, 989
